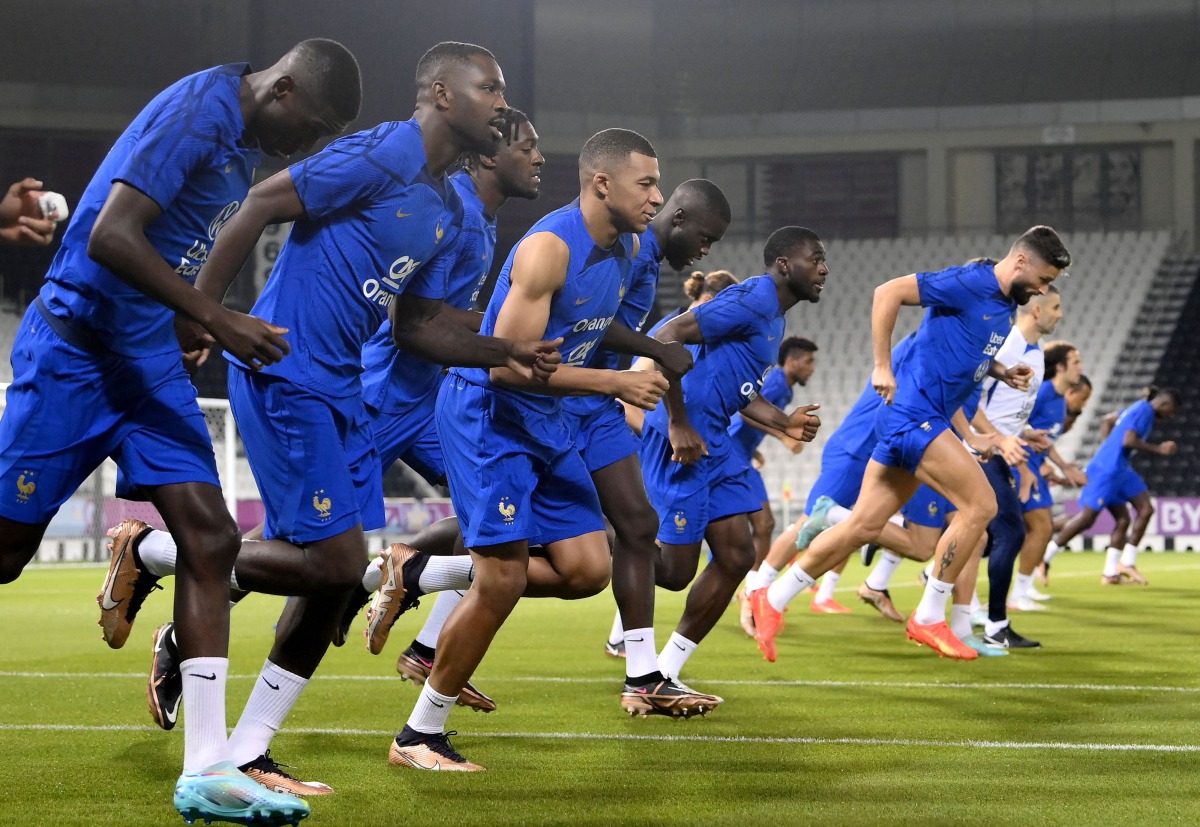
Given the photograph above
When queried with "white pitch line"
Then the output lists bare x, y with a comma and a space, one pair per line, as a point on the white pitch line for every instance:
705, 739
830, 684
1063, 576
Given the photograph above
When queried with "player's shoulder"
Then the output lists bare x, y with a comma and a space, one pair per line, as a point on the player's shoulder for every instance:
206, 100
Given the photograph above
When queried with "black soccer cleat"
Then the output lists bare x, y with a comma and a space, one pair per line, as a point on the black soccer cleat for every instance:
164, 689
1007, 638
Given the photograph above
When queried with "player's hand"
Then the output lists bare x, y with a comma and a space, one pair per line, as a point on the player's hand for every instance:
641, 387
1027, 481
194, 341
758, 460
535, 360
1073, 477
1054, 479
687, 446
982, 445
802, 423
884, 383
1011, 449
675, 358
254, 342
1018, 377
1166, 449
17, 224
1037, 439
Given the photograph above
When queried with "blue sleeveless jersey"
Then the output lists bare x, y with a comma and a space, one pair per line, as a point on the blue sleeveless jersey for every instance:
183, 152
377, 224
635, 306
393, 381
580, 313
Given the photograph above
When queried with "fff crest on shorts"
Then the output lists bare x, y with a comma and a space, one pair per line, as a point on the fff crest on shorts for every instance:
25, 486
508, 510
322, 504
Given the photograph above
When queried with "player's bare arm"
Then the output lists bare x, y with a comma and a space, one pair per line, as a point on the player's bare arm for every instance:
538, 272
885, 308
433, 330
674, 357
801, 424
687, 445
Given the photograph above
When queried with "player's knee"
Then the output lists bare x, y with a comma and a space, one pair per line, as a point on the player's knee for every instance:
11, 567
636, 529
588, 580
210, 552
979, 510
764, 524
674, 576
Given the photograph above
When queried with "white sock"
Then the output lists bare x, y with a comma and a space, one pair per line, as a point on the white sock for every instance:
993, 626
960, 621
432, 710
617, 633
976, 606
837, 514
762, 578
157, 552
372, 578
443, 573
882, 571
204, 739
1022, 584
233, 584
442, 607
785, 589
641, 655
275, 693
1052, 549
828, 583
932, 608
1111, 560
1129, 555
929, 570
674, 655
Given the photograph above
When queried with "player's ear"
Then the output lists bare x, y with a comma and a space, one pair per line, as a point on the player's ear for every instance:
677, 218
487, 162
441, 94
600, 182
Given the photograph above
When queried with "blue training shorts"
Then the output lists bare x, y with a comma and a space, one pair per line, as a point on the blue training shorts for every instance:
841, 479
928, 508
1111, 489
603, 437
68, 408
313, 457
689, 497
514, 473
411, 437
904, 434
1039, 496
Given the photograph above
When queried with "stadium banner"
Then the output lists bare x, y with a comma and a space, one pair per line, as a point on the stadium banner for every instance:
76, 518
1173, 516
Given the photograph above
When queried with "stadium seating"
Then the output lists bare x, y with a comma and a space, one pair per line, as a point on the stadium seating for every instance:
1110, 279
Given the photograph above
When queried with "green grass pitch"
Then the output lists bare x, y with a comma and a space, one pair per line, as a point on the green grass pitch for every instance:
853, 725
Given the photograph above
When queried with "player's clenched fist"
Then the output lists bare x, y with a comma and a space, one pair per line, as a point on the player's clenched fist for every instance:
641, 388
803, 423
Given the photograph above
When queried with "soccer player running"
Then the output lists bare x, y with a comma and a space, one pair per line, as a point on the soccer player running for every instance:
1006, 411
98, 373
515, 476
375, 222
1112, 482
1063, 370
970, 310
694, 477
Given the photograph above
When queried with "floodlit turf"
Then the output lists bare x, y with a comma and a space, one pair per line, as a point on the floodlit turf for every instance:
853, 725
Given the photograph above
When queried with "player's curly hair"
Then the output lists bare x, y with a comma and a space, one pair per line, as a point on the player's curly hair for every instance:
1056, 355
513, 118
700, 284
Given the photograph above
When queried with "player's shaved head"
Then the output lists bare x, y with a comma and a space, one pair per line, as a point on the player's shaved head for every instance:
434, 64
329, 73
787, 240
609, 149
701, 195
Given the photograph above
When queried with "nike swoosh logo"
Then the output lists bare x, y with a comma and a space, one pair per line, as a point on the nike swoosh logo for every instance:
173, 713
106, 601
436, 765
438, 705
636, 639
677, 646
939, 591
402, 214
988, 318
211, 677
583, 301
268, 683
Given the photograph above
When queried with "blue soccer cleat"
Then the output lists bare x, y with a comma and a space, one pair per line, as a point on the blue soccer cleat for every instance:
223, 793
984, 650
817, 522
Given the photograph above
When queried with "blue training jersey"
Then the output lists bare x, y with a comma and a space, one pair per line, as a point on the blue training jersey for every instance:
1113, 456
777, 390
741, 327
183, 151
377, 224
855, 434
1048, 414
580, 312
635, 306
966, 321
392, 380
